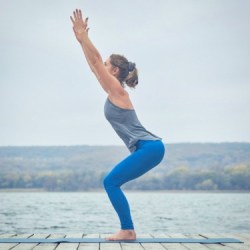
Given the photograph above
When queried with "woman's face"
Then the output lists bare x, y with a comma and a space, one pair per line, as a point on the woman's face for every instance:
111, 69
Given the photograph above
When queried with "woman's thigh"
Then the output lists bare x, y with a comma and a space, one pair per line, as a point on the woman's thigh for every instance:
136, 164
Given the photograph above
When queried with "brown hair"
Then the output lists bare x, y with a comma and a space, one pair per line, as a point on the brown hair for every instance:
128, 72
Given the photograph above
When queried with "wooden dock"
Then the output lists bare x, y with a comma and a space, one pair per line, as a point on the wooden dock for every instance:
127, 246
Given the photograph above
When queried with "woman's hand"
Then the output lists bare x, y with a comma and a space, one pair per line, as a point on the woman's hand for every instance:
80, 27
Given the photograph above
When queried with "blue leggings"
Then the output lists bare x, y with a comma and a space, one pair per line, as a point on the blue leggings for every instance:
147, 155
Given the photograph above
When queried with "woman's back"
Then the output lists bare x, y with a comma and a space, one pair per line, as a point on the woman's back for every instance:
127, 125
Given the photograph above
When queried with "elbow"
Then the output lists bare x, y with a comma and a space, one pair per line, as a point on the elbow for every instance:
95, 63
96, 60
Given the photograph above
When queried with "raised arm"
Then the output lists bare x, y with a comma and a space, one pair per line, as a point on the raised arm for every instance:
108, 82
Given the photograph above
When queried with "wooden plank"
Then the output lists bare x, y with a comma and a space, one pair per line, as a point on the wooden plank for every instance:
49, 246
46, 246
189, 245
134, 246
69, 246
14, 245
27, 246
122, 245
235, 246
244, 236
151, 246
111, 246
216, 246
7, 235
227, 246
169, 246
131, 246
56, 235
128, 246
89, 246
7, 246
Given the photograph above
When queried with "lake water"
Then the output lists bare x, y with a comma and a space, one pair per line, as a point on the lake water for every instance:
152, 212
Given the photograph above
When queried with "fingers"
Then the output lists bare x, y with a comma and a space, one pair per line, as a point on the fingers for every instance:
75, 15
78, 17
80, 14
72, 20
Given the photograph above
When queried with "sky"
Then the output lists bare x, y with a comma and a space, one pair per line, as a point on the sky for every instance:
193, 59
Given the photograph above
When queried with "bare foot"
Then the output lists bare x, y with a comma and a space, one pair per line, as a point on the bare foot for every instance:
123, 235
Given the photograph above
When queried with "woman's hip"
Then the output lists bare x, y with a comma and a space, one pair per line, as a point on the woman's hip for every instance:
151, 148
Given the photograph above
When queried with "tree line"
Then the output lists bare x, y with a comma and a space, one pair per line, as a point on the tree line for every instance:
186, 166
180, 178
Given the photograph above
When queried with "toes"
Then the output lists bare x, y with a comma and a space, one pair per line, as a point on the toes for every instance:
109, 238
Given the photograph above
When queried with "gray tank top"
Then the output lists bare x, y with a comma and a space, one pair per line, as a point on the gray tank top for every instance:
127, 125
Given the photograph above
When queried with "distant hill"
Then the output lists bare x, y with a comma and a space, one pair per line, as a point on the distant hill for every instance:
185, 166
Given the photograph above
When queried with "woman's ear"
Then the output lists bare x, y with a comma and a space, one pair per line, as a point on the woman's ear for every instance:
116, 71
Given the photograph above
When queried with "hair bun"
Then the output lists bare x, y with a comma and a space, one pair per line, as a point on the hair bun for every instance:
131, 66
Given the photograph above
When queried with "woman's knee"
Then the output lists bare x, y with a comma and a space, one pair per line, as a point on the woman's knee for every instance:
108, 181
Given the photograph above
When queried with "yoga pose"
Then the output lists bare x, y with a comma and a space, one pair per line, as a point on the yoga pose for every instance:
147, 150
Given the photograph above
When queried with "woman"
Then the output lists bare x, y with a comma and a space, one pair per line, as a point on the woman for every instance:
147, 149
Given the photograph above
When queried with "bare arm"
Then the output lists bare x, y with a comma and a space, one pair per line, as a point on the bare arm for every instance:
108, 82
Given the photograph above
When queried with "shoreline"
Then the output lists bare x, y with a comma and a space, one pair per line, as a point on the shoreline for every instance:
34, 190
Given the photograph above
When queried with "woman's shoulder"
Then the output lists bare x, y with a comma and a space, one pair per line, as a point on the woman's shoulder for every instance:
121, 100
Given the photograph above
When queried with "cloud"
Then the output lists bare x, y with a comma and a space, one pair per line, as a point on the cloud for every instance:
193, 61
